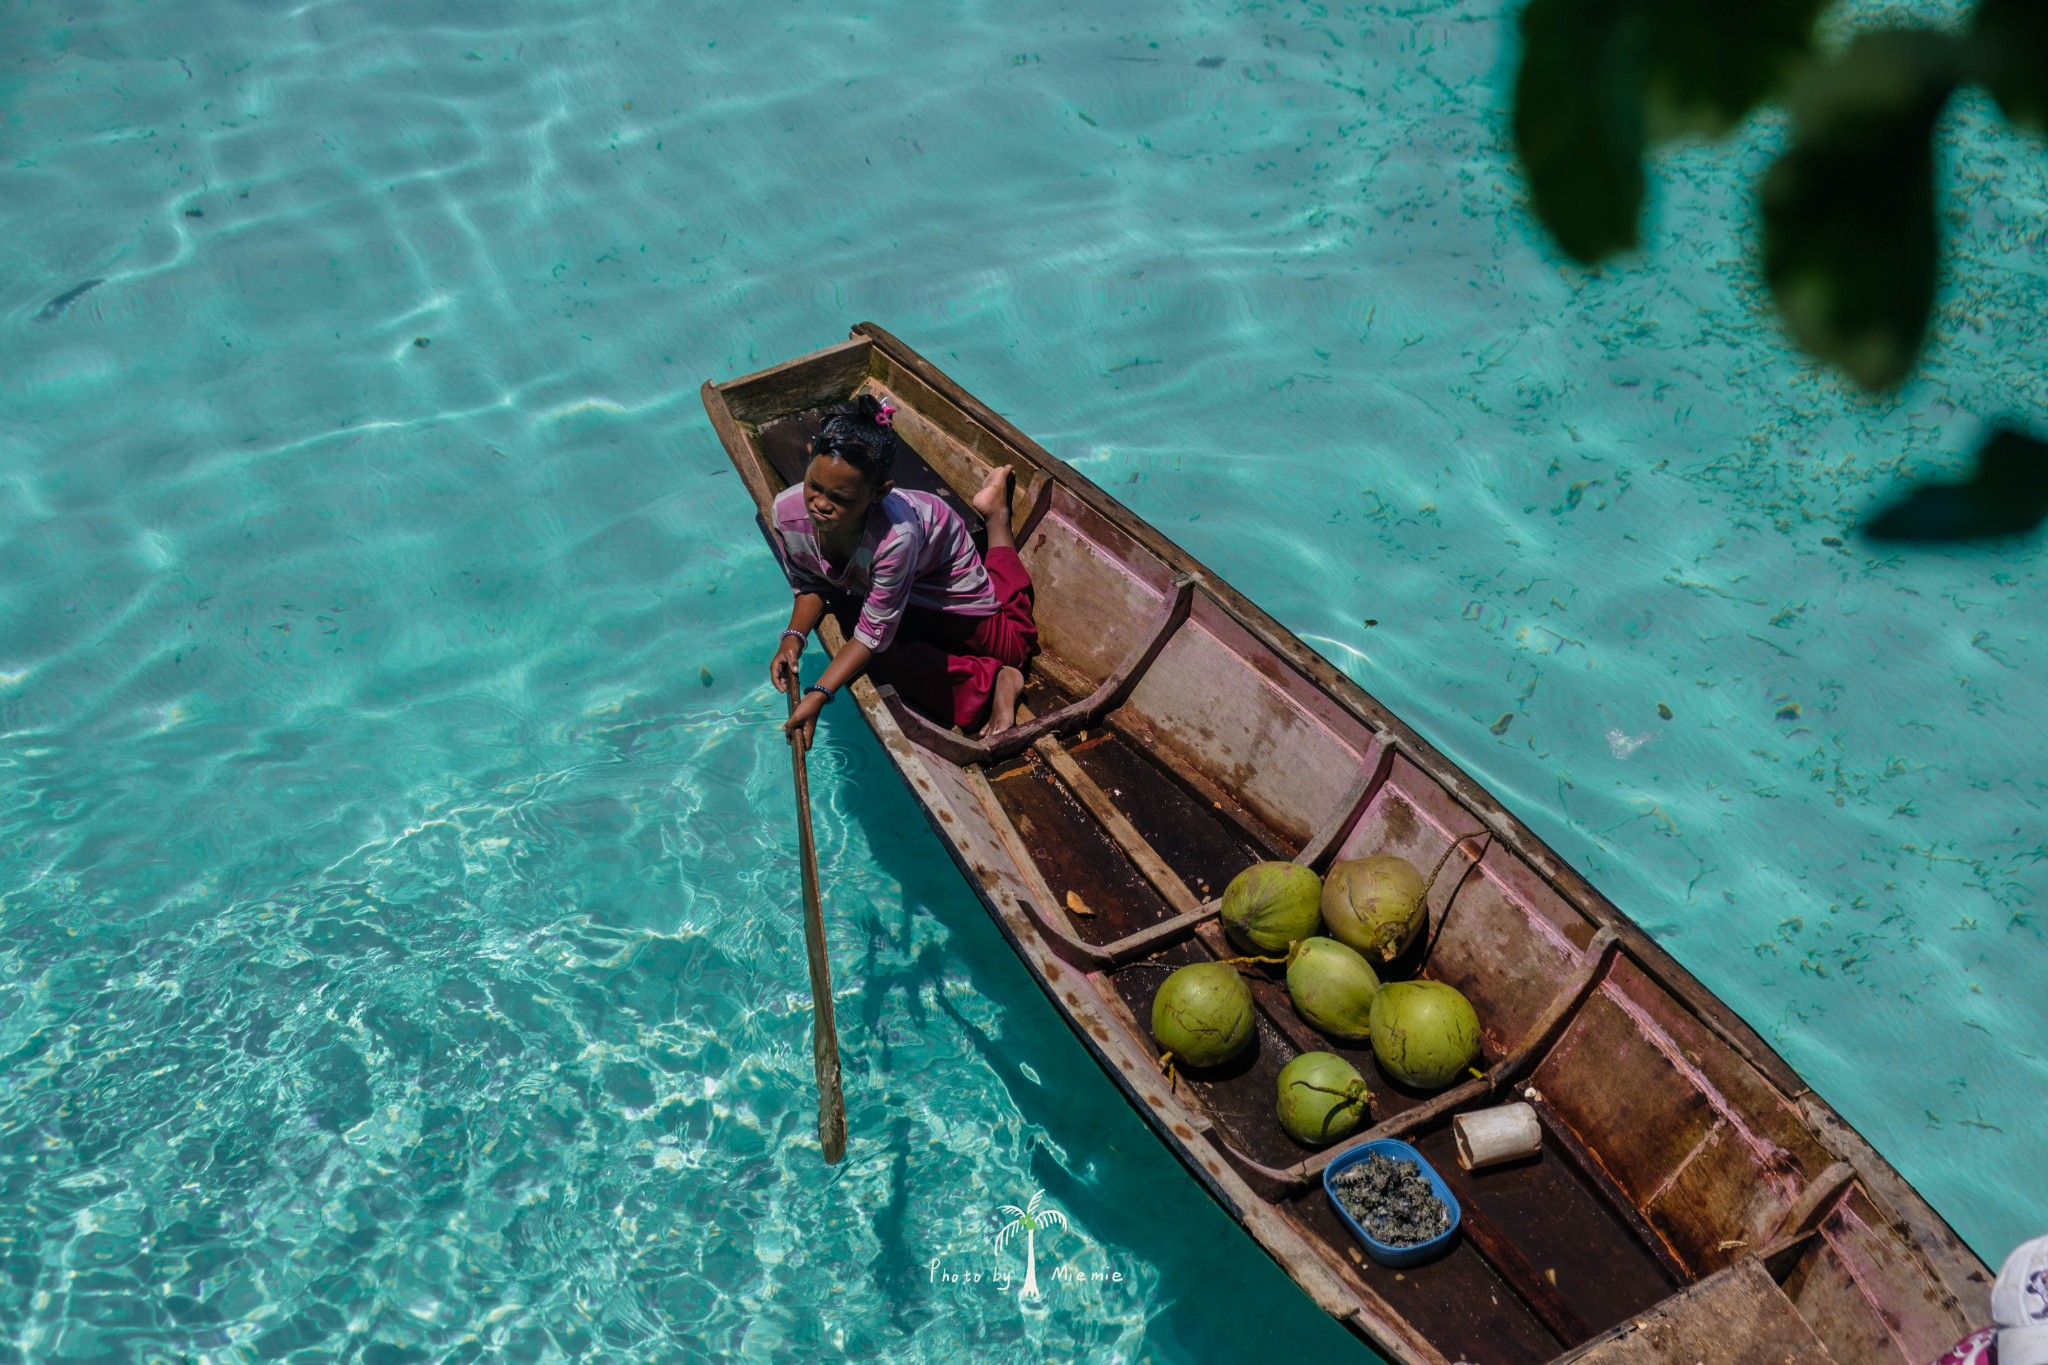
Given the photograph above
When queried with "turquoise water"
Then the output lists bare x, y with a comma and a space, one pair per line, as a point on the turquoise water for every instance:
398, 958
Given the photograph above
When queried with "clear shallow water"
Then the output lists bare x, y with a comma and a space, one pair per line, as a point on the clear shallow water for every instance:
397, 954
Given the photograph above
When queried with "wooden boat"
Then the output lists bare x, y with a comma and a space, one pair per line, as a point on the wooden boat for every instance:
1694, 1200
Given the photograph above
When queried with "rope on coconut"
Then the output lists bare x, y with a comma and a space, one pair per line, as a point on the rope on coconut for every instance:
1430, 880
1429, 948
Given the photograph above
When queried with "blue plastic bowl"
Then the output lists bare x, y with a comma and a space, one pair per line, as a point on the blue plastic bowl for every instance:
1378, 1250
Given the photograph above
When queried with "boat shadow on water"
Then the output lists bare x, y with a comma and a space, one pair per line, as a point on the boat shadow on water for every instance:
1093, 1157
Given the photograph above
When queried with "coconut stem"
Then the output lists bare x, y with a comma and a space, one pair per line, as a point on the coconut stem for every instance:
1353, 1094
1331, 1117
1221, 962
1431, 881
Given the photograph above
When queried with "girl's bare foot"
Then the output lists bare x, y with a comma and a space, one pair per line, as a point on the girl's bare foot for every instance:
1002, 713
993, 502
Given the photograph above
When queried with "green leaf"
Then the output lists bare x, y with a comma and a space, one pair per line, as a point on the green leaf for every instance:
1579, 120
1850, 242
2012, 44
2006, 495
1599, 79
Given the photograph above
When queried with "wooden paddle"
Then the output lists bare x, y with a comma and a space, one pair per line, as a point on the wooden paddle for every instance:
824, 1033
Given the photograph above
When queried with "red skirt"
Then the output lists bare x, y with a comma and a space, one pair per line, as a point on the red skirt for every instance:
945, 665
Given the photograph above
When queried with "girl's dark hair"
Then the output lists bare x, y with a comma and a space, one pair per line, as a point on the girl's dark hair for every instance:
859, 433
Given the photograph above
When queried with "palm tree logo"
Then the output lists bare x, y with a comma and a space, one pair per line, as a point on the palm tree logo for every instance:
1030, 1218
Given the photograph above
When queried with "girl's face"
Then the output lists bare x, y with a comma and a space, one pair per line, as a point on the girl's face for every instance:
837, 495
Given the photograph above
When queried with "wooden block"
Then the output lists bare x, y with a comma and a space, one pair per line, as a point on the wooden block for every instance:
1738, 1317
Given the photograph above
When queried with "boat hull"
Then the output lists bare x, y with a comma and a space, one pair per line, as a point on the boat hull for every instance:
1178, 732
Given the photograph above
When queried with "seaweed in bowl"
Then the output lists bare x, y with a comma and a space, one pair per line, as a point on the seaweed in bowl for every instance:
1392, 1200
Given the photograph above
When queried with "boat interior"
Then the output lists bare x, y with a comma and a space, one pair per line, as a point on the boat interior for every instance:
1166, 745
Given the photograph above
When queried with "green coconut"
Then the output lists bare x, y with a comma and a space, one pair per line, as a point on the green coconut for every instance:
1424, 1032
1268, 906
1203, 1014
1375, 905
1332, 987
1322, 1098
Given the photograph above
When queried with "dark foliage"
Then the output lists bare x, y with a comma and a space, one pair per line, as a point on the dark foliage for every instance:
2006, 495
1851, 239
1601, 78
1711, 63
1579, 121
1850, 245
2011, 42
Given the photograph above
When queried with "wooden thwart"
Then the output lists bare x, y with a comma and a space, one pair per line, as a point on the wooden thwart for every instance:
965, 751
1372, 776
1134, 845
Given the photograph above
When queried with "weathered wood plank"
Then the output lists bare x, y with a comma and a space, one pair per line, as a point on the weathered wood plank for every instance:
1260, 835
1041, 906
1372, 777
1500, 1251
1143, 856
1616, 1198
809, 381
754, 472
1966, 1278
1738, 1317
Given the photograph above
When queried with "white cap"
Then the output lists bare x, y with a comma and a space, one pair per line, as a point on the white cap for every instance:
2019, 1305
2023, 1345
2020, 1298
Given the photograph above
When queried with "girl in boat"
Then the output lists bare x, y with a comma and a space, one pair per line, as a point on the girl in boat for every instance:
950, 630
